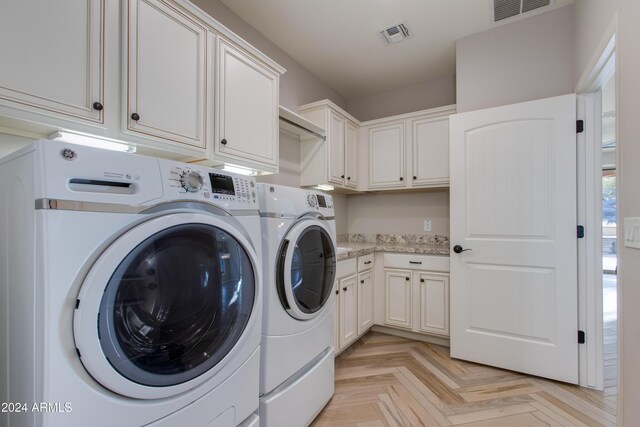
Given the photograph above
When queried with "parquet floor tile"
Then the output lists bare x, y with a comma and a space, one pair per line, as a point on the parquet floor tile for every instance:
384, 380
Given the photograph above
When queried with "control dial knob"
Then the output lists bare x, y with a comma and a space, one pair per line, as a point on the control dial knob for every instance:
311, 200
191, 181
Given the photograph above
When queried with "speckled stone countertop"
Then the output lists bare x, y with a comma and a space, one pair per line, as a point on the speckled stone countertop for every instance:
364, 248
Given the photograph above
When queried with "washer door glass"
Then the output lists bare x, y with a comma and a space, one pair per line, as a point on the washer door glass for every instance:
176, 305
306, 270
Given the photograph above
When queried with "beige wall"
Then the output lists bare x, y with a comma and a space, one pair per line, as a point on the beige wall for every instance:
421, 96
521, 61
298, 85
592, 18
395, 212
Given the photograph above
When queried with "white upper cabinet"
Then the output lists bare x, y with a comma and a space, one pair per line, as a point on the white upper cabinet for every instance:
332, 161
351, 155
430, 137
247, 127
166, 74
387, 156
409, 150
335, 135
54, 55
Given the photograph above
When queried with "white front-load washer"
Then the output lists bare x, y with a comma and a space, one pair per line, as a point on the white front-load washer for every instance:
131, 290
299, 254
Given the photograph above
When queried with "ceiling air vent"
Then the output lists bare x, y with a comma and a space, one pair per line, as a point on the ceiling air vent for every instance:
396, 33
503, 9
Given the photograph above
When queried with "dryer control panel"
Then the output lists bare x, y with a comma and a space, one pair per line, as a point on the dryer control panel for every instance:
220, 187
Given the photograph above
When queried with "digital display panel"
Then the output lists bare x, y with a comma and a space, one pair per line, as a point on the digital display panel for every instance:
321, 201
222, 184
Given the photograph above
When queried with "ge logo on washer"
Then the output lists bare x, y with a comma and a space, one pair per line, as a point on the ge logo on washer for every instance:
68, 154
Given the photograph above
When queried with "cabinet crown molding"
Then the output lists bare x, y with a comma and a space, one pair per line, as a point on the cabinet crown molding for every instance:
328, 103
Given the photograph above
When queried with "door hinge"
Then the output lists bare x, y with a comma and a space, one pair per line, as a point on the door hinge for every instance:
579, 126
581, 232
581, 337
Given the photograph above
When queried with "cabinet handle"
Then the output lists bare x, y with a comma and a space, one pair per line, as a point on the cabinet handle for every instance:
348, 178
223, 142
135, 116
342, 176
415, 262
415, 177
406, 278
344, 289
421, 280
337, 291
401, 179
97, 106
367, 262
362, 282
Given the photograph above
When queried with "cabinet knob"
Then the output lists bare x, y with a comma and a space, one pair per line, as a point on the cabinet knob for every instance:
135, 116
362, 281
344, 289
97, 106
348, 178
415, 177
421, 280
223, 142
337, 291
401, 179
342, 176
406, 278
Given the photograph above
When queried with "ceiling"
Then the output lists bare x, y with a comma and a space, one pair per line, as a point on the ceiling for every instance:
339, 40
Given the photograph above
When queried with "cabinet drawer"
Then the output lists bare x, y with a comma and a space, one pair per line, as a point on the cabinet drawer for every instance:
417, 262
365, 262
346, 268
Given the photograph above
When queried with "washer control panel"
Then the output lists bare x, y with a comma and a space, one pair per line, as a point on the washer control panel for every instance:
318, 201
212, 185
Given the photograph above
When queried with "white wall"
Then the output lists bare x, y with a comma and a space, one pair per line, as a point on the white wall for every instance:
395, 212
420, 96
592, 18
520, 61
11, 143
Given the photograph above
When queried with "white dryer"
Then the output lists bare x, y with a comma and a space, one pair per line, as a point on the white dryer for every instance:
299, 253
131, 290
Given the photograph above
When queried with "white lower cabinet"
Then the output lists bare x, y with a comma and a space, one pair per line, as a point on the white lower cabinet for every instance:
417, 293
434, 303
348, 310
398, 292
354, 304
365, 301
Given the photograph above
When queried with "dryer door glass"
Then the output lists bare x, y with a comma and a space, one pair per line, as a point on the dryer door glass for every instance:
312, 271
176, 305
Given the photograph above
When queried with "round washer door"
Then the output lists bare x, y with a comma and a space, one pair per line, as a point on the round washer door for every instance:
306, 269
166, 305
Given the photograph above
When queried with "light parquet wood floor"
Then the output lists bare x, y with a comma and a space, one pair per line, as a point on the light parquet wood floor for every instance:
384, 380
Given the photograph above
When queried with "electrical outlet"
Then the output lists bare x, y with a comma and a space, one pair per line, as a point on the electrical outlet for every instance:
427, 225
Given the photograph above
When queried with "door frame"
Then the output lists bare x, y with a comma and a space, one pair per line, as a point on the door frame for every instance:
601, 67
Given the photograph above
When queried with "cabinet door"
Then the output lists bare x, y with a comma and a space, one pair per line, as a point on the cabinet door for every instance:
365, 301
348, 302
398, 298
248, 110
386, 156
335, 138
434, 303
53, 54
430, 152
351, 155
166, 74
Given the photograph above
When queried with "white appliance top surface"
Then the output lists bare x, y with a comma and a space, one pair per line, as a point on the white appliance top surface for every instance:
86, 174
282, 201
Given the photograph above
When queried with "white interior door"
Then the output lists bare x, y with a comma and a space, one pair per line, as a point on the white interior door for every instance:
513, 205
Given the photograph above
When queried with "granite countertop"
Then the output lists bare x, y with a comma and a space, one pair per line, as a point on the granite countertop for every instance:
364, 248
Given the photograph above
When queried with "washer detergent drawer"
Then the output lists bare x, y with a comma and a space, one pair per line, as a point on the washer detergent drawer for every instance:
296, 403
